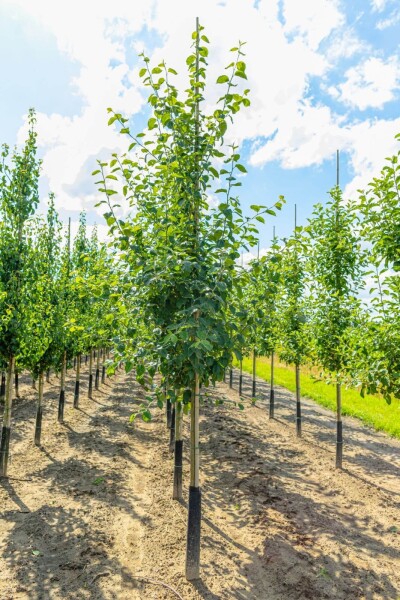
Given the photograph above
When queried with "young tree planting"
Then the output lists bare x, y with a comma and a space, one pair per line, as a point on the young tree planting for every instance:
19, 174
180, 251
336, 271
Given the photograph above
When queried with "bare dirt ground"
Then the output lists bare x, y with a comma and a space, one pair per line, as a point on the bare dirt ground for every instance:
90, 514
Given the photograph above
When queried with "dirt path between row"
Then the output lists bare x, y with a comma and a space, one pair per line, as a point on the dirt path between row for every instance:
90, 514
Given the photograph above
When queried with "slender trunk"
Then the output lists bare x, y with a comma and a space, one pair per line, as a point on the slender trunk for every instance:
298, 402
6, 429
90, 389
272, 391
339, 427
16, 380
194, 512
33, 383
3, 386
224, 375
231, 377
97, 378
74, 362
177, 490
61, 402
241, 378
39, 411
254, 390
48, 376
86, 359
172, 430
77, 381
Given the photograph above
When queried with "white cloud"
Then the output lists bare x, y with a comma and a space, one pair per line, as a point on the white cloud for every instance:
372, 83
379, 5
390, 21
283, 55
369, 143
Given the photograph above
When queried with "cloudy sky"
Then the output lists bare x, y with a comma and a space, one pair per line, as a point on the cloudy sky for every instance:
323, 74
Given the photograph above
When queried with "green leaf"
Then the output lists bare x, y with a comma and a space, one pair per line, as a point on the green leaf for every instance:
223, 79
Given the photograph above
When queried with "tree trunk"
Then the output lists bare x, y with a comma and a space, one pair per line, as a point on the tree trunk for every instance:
77, 381
339, 427
194, 512
39, 411
298, 402
61, 402
90, 388
6, 429
272, 391
241, 378
177, 490
231, 377
48, 376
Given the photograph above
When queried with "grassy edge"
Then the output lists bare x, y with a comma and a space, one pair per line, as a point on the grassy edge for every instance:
371, 410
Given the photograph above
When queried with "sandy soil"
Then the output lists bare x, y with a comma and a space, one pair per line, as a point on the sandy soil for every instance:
90, 514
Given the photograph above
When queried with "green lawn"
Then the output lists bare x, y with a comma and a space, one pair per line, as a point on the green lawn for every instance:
373, 410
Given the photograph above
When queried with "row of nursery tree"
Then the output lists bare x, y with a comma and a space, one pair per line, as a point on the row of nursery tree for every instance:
169, 294
329, 296
193, 308
55, 293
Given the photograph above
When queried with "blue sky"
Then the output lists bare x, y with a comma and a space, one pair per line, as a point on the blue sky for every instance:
323, 74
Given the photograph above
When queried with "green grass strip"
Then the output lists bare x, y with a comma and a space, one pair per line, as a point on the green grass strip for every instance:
372, 410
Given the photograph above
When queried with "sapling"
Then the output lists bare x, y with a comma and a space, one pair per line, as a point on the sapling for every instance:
336, 272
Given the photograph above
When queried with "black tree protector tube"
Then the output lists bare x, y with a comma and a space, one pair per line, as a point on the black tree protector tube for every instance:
103, 374
193, 534
272, 391
61, 402
77, 381
48, 375
3, 385
254, 388
168, 408
90, 388
16, 384
298, 402
172, 431
241, 378
97, 378
39, 411
224, 375
177, 492
4, 450
230, 378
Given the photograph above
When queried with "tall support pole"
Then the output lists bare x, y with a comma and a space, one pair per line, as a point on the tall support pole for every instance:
192, 570
339, 424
